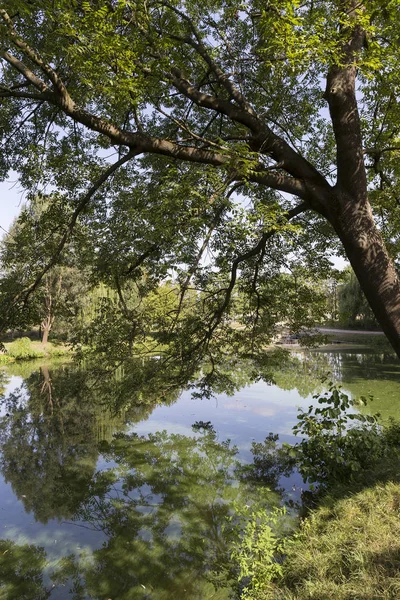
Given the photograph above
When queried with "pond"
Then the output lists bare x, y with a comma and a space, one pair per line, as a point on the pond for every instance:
114, 493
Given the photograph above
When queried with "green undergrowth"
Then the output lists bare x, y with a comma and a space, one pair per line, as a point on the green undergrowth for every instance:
24, 349
348, 545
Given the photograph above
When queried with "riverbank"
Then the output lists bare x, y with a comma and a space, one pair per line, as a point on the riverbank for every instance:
342, 338
347, 549
371, 339
25, 349
348, 545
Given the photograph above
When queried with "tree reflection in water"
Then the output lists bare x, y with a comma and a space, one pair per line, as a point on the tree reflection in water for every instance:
51, 430
21, 572
162, 503
162, 499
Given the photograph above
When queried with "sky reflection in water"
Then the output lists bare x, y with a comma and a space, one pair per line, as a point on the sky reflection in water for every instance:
126, 505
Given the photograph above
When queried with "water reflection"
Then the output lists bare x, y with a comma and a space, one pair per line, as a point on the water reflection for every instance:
48, 440
143, 503
163, 508
360, 373
21, 572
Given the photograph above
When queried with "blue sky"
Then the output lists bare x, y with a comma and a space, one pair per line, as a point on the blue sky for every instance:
11, 200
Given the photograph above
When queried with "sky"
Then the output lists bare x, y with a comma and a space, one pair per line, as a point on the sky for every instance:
11, 200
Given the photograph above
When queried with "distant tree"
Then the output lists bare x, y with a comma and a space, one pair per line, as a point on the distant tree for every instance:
60, 292
354, 310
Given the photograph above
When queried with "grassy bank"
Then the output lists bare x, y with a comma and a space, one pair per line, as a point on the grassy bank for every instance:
348, 549
25, 349
355, 338
348, 545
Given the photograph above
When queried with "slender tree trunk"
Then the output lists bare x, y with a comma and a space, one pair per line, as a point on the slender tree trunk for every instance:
374, 269
46, 326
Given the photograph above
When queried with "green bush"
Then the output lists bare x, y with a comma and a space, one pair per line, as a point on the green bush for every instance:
22, 349
257, 549
338, 444
5, 359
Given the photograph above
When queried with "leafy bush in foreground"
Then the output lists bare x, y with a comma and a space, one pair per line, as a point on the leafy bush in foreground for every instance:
338, 445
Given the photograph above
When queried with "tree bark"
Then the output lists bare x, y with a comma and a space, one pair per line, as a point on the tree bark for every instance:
354, 223
49, 318
46, 326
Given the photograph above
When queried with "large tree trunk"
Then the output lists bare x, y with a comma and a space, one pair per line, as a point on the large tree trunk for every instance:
349, 210
365, 249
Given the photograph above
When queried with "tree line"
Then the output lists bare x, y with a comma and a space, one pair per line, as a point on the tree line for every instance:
69, 302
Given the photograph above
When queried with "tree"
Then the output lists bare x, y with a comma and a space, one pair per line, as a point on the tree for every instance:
354, 310
200, 103
60, 292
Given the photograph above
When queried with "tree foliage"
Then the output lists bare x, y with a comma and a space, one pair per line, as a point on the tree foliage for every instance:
354, 310
226, 167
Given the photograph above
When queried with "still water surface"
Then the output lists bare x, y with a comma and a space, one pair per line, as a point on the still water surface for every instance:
121, 498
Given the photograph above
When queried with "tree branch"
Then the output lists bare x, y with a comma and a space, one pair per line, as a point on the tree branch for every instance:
257, 249
34, 57
341, 96
214, 103
27, 73
303, 177
202, 249
201, 49
24, 294
263, 140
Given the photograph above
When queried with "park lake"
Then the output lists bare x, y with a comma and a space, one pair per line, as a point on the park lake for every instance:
107, 492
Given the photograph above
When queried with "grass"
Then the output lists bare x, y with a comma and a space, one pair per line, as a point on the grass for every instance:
24, 349
348, 549
375, 342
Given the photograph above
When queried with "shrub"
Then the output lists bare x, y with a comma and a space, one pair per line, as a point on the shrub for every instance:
257, 548
338, 444
22, 349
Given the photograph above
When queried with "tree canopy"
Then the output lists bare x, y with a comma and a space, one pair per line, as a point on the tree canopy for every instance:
223, 143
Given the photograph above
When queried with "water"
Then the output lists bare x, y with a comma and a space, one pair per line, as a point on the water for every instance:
115, 492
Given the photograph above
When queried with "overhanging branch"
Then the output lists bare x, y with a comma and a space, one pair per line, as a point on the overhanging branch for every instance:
23, 295
256, 250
